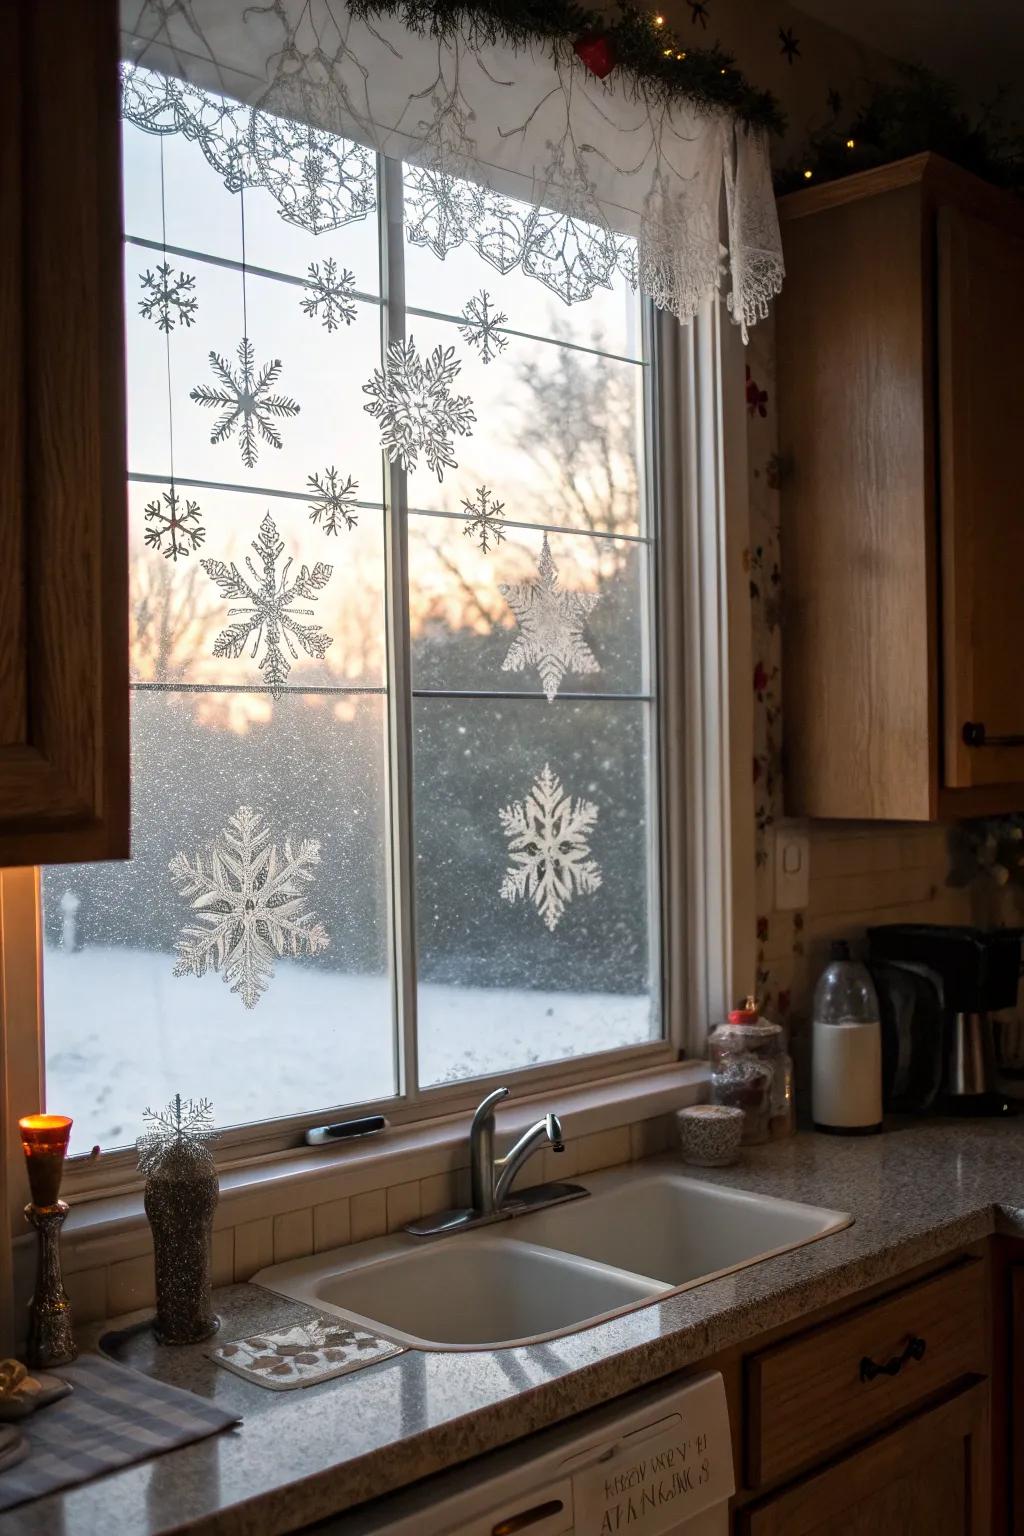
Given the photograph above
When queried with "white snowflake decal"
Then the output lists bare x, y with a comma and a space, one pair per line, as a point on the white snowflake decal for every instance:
550, 634
484, 519
334, 500
481, 327
267, 606
244, 398
417, 411
331, 292
178, 524
548, 848
168, 298
249, 906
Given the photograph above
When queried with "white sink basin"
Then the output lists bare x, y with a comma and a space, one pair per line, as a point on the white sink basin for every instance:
644, 1233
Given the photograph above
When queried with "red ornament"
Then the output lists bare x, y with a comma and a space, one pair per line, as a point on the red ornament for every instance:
597, 54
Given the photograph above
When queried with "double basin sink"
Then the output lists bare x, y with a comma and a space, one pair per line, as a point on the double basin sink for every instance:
642, 1234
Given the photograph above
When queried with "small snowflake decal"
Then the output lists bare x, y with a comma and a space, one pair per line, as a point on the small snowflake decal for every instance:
178, 525
249, 905
417, 411
168, 299
268, 608
550, 619
484, 519
480, 327
243, 397
548, 849
331, 292
334, 500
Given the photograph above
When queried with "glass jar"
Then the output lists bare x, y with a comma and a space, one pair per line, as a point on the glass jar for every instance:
751, 1068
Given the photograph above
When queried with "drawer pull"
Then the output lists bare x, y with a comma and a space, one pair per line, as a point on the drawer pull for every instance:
914, 1351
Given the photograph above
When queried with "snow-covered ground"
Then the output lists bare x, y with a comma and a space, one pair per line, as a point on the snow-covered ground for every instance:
123, 1032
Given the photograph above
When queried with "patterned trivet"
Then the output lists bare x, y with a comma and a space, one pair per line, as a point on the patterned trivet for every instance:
303, 1355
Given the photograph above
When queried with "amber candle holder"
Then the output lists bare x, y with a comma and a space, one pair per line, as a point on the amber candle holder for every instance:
44, 1141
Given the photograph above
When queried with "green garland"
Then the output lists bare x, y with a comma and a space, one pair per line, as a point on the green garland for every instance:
654, 58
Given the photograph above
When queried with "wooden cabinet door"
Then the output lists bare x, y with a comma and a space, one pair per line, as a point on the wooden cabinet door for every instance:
981, 353
63, 571
929, 1477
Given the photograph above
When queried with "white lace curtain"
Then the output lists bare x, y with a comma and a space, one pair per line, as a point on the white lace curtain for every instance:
524, 154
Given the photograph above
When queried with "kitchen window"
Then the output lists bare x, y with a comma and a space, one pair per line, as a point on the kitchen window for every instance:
397, 703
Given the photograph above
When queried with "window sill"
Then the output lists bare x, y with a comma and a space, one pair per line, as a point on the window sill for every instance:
113, 1227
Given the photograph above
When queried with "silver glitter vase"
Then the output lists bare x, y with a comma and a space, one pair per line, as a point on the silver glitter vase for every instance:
181, 1197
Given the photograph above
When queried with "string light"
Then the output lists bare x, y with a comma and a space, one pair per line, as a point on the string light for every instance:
681, 55
659, 21
808, 175
667, 52
850, 144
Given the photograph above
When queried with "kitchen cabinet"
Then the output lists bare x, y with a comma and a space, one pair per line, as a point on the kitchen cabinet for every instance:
63, 577
899, 347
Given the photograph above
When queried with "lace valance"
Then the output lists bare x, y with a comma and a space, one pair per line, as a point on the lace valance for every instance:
522, 153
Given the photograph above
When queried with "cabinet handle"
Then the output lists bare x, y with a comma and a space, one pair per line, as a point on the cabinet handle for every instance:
975, 735
914, 1351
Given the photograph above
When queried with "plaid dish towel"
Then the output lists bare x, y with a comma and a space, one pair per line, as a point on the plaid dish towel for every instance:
112, 1418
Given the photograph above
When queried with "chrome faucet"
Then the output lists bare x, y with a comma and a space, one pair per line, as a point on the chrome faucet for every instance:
491, 1178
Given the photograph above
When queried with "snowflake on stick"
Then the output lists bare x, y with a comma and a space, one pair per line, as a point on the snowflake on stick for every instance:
181, 1132
330, 291
174, 523
249, 904
484, 520
413, 401
244, 397
481, 327
548, 848
268, 608
334, 500
168, 299
551, 622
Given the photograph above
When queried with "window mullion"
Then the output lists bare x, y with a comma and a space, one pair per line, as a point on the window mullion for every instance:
396, 545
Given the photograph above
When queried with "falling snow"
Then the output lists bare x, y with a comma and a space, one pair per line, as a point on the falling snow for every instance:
249, 906
174, 529
480, 327
548, 849
551, 621
329, 294
267, 608
417, 411
244, 397
334, 500
484, 520
168, 299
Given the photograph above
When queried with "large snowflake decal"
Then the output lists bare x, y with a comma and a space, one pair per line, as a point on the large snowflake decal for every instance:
481, 326
249, 905
268, 608
330, 291
417, 411
174, 523
548, 849
334, 500
551, 620
484, 520
244, 396
168, 298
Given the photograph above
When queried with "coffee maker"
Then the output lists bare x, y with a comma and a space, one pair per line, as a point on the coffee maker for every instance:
938, 988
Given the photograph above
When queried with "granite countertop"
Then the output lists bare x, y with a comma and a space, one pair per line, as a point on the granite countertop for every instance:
915, 1193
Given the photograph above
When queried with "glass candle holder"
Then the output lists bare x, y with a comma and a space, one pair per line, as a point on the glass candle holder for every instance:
44, 1141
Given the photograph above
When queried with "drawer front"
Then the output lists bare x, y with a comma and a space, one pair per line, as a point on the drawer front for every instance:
827, 1387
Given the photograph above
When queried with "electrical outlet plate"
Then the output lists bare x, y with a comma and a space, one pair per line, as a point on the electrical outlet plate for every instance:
792, 867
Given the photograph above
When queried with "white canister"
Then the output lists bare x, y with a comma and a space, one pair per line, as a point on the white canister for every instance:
846, 1077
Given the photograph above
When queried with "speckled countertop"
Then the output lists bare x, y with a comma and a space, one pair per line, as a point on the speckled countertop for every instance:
915, 1193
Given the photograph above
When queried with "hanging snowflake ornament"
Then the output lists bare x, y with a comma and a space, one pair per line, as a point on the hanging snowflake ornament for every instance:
244, 397
484, 520
180, 1133
268, 611
249, 905
548, 848
334, 500
174, 529
329, 294
168, 299
481, 327
551, 622
413, 401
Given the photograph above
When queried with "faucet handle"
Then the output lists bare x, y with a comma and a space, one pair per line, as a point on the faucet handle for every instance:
485, 1111
555, 1135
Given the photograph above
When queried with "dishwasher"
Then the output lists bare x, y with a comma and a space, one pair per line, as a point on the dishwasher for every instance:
651, 1464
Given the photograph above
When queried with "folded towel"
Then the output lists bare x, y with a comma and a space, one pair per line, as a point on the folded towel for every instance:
113, 1417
